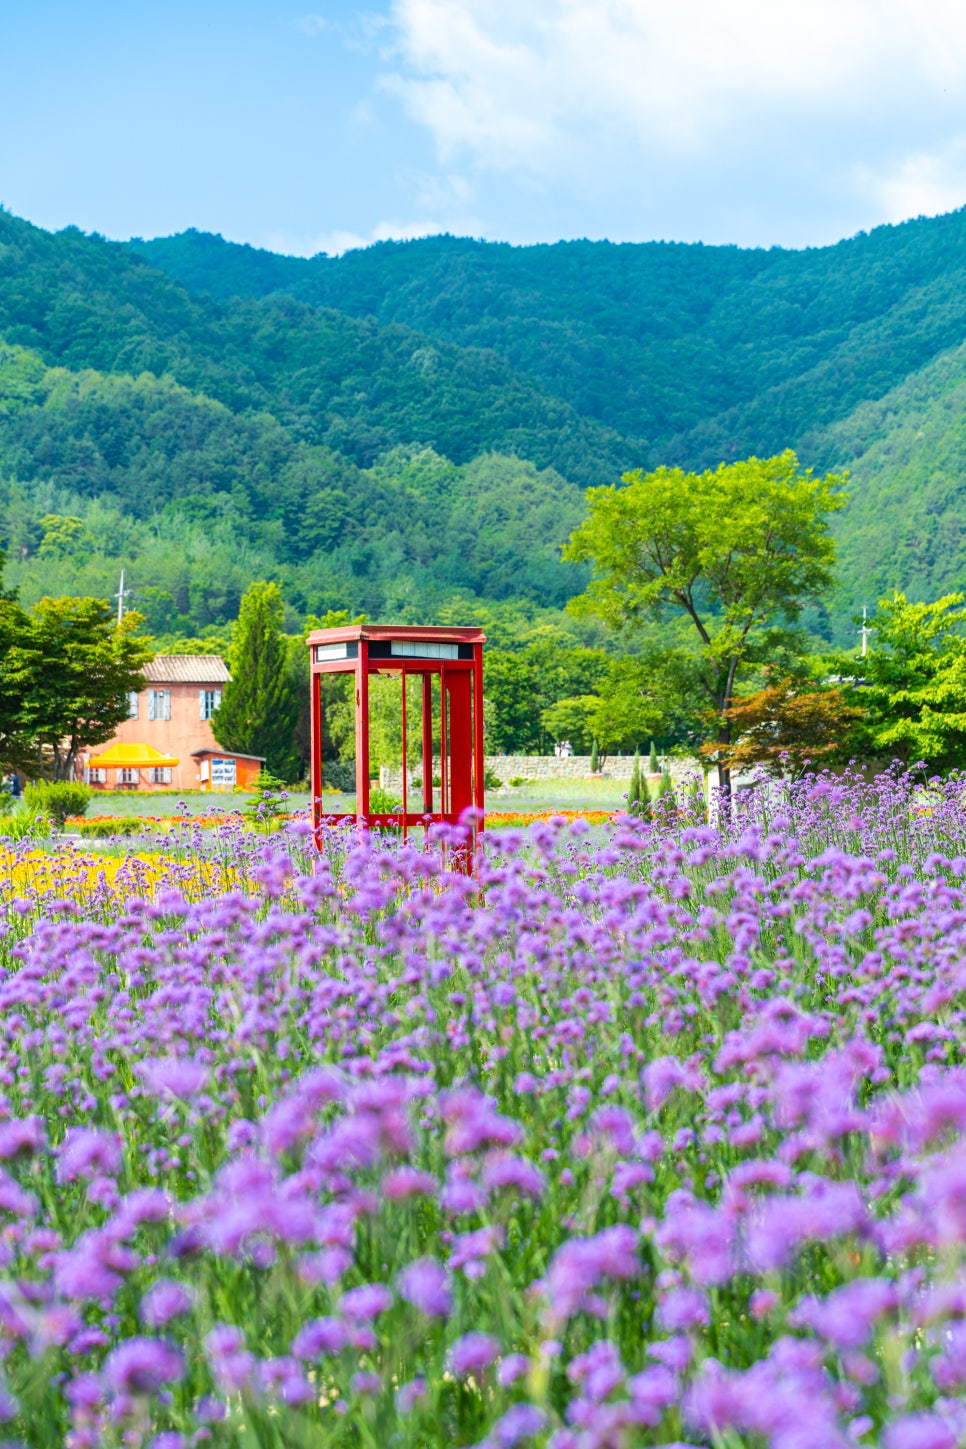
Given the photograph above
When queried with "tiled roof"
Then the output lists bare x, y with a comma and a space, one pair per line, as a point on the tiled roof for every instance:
187, 669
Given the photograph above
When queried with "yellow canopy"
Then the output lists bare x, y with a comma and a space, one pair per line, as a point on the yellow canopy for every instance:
131, 757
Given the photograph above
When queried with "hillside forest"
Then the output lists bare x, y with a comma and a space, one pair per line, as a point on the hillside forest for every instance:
408, 431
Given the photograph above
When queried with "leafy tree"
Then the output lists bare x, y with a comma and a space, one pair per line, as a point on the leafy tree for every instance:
16, 750
913, 682
74, 667
521, 684
259, 707
787, 727
571, 719
737, 550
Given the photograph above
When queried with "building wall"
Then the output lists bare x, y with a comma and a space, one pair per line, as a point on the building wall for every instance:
178, 736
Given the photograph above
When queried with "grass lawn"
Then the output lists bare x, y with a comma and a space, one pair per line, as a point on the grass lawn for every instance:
580, 794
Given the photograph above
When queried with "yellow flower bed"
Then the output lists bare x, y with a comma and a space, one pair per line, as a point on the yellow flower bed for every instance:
80, 875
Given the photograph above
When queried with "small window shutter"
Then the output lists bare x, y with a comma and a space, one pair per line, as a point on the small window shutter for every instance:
202, 702
167, 704
152, 704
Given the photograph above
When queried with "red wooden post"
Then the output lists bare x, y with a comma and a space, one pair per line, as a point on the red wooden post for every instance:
427, 744
362, 731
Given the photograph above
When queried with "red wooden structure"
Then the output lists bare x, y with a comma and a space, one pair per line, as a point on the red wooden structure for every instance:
440, 674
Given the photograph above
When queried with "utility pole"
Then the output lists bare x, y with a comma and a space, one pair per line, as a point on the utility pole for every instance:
121, 595
866, 630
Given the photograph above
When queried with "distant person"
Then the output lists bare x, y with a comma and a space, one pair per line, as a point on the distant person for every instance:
15, 785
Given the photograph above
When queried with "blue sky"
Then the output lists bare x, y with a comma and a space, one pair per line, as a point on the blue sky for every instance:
327, 125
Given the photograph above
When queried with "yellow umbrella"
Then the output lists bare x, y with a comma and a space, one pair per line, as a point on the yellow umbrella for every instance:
131, 757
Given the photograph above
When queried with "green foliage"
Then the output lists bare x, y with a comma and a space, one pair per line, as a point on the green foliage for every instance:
58, 799
572, 719
707, 352
594, 758
491, 780
638, 796
665, 800
268, 802
425, 427
736, 551
25, 823
110, 828
382, 802
523, 685
259, 707
653, 766
913, 682
69, 667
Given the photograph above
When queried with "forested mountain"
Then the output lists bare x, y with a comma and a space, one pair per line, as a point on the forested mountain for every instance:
407, 429
703, 352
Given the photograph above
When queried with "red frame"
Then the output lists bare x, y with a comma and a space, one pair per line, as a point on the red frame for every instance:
461, 719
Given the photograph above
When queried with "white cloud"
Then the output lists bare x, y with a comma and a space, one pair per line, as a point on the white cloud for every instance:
335, 242
860, 93
922, 184
312, 24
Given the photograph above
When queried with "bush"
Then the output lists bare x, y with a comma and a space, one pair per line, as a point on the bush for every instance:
491, 780
517, 780
25, 824
57, 799
381, 802
106, 829
268, 802
339, 775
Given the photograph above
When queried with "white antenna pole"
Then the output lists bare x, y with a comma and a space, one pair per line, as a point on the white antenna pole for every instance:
120, 600
865, 632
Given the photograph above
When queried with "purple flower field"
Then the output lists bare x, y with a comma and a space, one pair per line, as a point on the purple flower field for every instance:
651, 1135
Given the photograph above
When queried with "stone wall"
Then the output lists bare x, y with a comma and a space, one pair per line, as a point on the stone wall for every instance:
544, 767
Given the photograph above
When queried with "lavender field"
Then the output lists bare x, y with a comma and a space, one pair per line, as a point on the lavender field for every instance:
653, 1134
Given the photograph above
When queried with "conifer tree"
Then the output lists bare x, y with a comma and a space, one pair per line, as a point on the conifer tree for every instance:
259, 707
638, 796
634, 788
594, 759
653, 768
664, 795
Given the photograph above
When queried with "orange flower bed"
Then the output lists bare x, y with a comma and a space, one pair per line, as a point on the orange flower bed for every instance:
527, 817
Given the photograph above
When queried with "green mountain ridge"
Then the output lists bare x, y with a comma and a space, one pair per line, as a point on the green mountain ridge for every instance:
704, 352
411, 425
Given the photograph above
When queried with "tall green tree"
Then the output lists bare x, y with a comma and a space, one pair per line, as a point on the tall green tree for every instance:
259, 709
913, 682
72, 667
738, 550
16, 749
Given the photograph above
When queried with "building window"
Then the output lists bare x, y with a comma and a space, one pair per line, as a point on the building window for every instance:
161, 775
159, 704
132, 705
128, 777
223, 773
208, 702
98, 777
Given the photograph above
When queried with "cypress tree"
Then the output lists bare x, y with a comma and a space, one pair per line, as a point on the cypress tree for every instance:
594, 759
664, 794
634, 788
653, 768
259, 707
